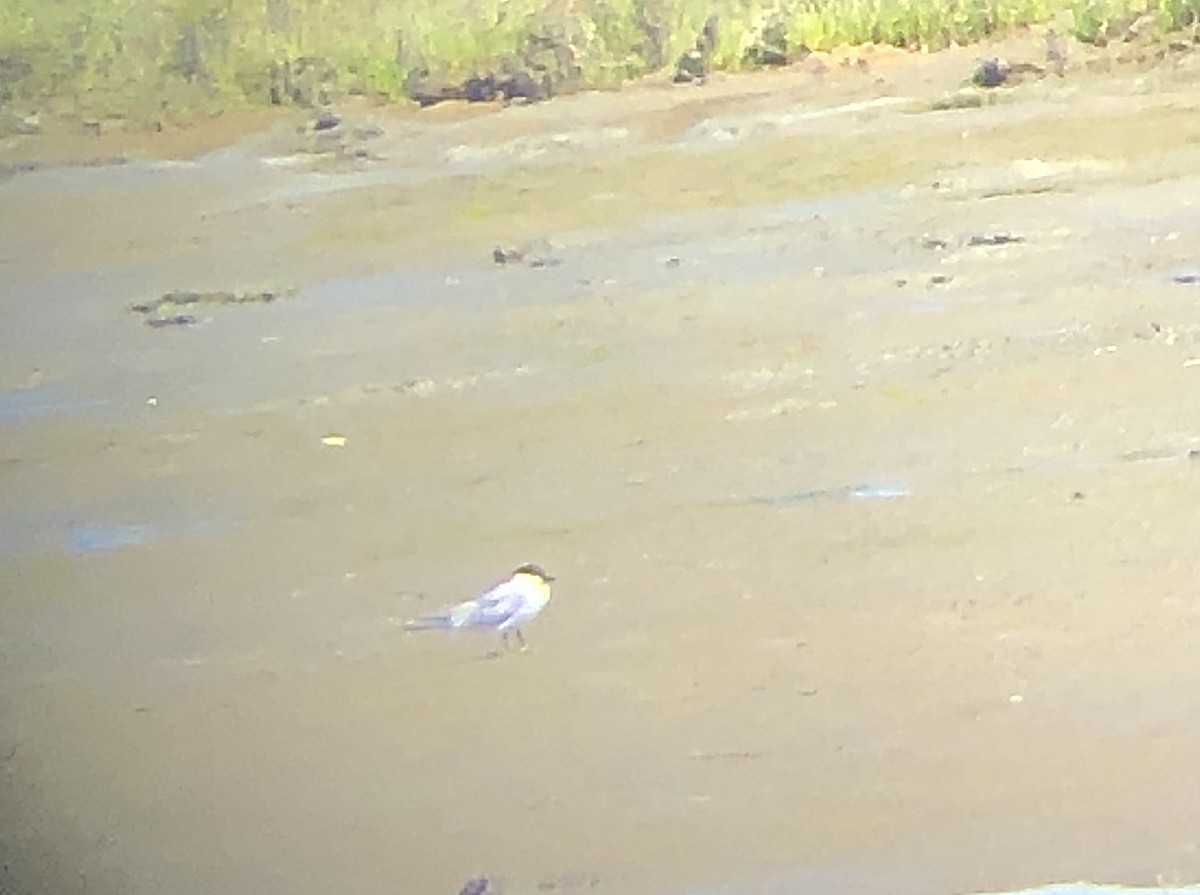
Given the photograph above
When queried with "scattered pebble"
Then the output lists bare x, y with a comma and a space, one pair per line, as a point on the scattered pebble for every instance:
333, 440
326, 121
480, 885
999, 238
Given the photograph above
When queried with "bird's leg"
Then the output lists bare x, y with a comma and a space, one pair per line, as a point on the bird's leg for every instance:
521, 640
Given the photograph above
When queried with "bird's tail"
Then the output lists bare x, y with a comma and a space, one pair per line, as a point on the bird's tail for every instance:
429, 623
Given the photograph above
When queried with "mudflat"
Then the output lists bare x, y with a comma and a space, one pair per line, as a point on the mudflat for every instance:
861, 437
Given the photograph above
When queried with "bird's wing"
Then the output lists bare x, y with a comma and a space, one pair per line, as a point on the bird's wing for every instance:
493, 608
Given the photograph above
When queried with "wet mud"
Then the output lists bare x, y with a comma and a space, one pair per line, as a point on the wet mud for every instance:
861, 438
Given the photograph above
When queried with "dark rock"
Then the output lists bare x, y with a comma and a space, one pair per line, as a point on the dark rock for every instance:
326, 121
427, 89
478, 89
521, 86
172, 320
517, 85
997, 72
1187, 279
991, 73
770, 50
693, 66
507, 256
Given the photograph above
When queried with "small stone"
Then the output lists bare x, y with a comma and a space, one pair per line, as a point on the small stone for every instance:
326, 121
991, 73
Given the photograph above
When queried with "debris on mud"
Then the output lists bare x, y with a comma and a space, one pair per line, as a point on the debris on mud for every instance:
997, 72
480, 885
172, 320
528, 257
11, 169
962, 99
1187, 279
427, 89
972, 240
999, 238
168, 310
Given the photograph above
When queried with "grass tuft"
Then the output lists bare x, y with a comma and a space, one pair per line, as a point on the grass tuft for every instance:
156, 57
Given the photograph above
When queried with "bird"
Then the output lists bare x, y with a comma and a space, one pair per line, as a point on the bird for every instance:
506, 607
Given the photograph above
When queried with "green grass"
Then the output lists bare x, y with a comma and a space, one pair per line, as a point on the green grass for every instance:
163, 56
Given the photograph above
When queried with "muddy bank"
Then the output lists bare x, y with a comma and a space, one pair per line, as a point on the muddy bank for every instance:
861, 438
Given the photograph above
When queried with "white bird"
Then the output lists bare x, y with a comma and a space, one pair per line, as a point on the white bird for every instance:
506, 608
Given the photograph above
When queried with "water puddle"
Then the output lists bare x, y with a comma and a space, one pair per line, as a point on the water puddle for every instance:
862, 491
100, 538
19, 405
22, 537
847, 492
